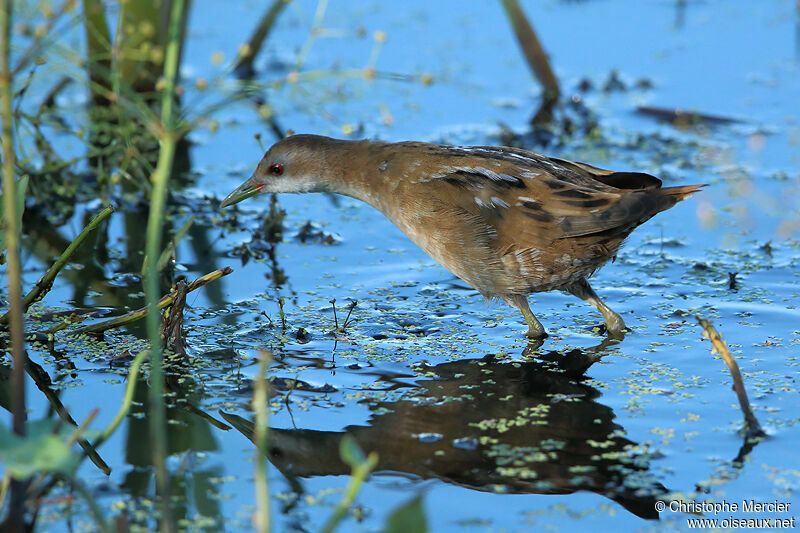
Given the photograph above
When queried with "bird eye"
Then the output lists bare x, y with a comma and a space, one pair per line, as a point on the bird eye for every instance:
276, 169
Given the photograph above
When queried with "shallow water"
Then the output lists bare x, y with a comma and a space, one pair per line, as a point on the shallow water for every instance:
441, 385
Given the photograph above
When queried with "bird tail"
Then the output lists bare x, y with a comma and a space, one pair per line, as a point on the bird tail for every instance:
682, 192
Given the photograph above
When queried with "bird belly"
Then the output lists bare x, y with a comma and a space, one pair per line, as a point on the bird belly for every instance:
457, 246
549, 269
466, 245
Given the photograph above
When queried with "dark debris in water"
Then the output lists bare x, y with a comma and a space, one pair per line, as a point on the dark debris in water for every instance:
312, 232
290, 384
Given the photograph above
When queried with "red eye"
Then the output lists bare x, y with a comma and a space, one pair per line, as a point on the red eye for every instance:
276, 169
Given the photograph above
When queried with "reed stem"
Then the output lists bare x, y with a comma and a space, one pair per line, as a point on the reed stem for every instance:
261, 408
16, 518
166, 156
537, 59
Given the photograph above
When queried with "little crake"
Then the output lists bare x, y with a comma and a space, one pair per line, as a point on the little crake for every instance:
506, 221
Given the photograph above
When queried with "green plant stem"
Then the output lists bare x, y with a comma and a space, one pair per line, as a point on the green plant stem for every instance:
46, 282
357, 478
13, 270
16, 513
76, 435
166, 157
130, 387
157, 415
171, 247
98, 47
316, 28
260, 406
4, 488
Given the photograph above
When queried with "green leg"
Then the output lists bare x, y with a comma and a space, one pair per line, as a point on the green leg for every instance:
614, 323
535, 328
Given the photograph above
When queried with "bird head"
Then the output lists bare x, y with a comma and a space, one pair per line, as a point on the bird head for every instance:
299, 163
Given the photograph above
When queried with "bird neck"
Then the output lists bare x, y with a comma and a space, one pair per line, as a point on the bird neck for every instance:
357, 169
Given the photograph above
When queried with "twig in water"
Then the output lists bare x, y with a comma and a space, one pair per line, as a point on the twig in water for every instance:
281, 301
42, 380
752, 426
172, 321
335, 319
133, 316
679, 117
244, 64
352, 306
537, 60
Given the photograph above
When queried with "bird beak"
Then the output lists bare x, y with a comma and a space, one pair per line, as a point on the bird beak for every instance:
242, 192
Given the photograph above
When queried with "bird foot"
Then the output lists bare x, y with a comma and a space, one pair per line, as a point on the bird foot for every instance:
616, 327
536, 334
532, 348
613, 332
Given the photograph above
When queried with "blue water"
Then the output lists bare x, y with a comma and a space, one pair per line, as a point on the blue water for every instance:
392, 380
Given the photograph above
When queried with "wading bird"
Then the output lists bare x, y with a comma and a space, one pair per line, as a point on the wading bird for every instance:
507, 221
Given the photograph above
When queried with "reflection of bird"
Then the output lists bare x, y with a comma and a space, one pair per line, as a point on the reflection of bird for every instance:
507, 221
528, 427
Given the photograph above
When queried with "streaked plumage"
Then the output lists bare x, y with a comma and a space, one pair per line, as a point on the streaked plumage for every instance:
507, 221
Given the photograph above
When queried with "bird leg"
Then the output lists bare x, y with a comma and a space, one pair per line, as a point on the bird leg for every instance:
614, 323
520, 301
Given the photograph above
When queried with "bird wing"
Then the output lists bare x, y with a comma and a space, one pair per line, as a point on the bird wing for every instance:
533, 200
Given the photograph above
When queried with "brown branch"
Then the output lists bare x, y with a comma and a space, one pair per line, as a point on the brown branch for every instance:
244, 64
752, 426
537, 60
44, 383
165, 301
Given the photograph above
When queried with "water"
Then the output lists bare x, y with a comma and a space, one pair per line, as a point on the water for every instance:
427, 375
